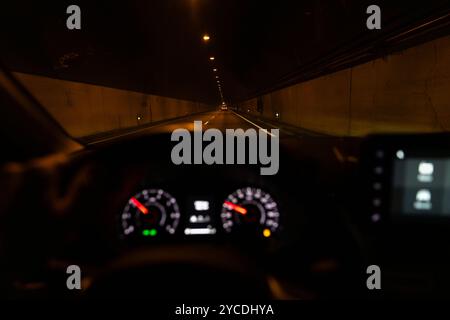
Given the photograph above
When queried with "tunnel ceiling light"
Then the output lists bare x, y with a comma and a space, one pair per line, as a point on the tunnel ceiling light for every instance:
206, 37
215, 70
212, 58
217, 77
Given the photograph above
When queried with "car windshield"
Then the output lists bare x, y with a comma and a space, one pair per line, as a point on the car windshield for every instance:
202, 150
343, 68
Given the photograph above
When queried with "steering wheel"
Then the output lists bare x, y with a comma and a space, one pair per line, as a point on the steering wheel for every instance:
170, 272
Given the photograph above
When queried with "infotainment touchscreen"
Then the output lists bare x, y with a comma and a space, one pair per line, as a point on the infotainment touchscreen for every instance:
406, 178
420, 186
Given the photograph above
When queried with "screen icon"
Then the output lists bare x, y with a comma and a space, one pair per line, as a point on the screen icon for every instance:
426, 171
423, 200
201, 205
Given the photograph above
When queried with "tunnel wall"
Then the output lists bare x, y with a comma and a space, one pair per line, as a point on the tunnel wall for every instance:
85, 109
407, 91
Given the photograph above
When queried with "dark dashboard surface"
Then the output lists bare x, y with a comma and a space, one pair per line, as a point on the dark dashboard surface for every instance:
87, 198
132, 220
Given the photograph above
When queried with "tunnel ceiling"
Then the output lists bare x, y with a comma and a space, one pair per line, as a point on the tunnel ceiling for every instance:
156, 46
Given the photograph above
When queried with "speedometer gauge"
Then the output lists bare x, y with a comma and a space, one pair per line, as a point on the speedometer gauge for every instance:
250, 210
150, 213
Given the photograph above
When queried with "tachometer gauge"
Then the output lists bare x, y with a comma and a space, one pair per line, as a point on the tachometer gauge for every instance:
150, 213
250, 210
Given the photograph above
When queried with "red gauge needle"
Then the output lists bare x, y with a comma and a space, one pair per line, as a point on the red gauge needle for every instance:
236, 208
139, 205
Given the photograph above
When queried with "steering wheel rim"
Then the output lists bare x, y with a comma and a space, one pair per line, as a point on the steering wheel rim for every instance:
195, 271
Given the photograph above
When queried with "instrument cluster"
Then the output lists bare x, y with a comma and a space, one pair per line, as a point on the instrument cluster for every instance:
156, 213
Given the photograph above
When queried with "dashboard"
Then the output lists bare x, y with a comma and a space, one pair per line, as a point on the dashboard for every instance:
281, 227
313, 228
126, 204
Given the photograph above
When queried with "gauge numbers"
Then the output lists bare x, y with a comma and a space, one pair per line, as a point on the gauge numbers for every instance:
150, 213
250, 210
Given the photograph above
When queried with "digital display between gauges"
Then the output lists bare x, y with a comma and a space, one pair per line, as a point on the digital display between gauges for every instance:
250, 210
150, 213
200, 218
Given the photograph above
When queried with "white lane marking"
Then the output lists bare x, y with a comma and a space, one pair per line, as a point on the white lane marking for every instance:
271, 134
210, 119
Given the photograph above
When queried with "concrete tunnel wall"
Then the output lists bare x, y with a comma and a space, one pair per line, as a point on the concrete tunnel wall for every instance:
85, 109
407, 91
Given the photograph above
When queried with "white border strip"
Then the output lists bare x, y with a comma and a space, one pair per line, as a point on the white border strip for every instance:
271, 134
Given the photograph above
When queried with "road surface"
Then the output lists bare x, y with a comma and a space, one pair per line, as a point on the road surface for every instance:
304, 144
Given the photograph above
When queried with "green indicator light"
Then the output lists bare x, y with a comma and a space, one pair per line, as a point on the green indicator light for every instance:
151, 233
